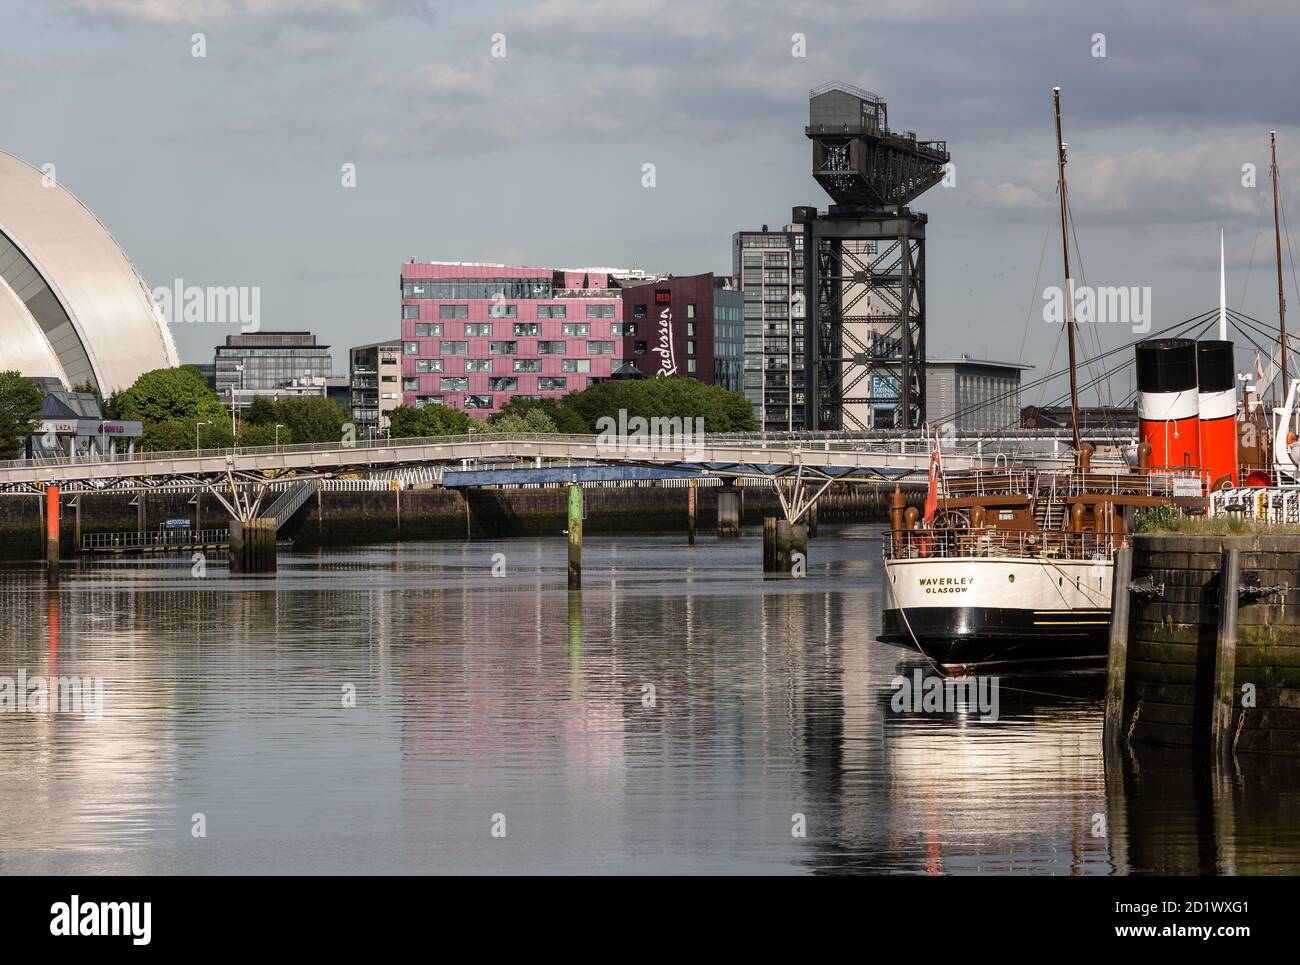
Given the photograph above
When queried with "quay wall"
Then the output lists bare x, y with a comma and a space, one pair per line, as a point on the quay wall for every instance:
1174, 642
334, 518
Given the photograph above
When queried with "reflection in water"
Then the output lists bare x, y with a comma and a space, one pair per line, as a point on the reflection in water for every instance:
680, 713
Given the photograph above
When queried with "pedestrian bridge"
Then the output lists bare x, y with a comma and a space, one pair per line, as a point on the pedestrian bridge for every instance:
828, 456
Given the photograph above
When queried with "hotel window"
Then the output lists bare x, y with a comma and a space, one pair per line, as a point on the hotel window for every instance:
453, 348
503, 348
478, 401
453, 311
576, 328
690, 365
410, 311
622, 328
690, 328
410, 385
690, 346
528, 328
639, 348
550, 348
478, 365
428, 365
638, 311
528, 365
501, 311
503, 383
576, 365
428, 329
600, 311
690, 310
478, 329
552, 384
453, 383
600, 348
551, 311
411, 348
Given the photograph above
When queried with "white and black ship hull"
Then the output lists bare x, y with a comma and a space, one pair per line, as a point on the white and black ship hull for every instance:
999, 613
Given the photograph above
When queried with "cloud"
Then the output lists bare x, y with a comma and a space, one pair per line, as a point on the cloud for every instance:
215, 12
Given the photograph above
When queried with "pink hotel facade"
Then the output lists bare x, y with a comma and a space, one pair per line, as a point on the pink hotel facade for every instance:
476, 335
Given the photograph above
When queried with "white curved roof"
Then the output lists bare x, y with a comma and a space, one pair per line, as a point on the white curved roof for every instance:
64, 282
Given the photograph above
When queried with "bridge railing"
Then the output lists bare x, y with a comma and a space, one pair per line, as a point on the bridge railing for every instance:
162, 538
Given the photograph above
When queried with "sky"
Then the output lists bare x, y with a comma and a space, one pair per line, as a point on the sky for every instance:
229, 169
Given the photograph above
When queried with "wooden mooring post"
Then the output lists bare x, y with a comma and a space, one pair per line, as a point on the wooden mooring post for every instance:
692, 499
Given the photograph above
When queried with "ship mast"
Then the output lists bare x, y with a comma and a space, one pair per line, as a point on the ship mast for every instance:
1281, 297
1065, 257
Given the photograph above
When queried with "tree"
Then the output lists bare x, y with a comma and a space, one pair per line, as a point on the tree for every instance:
311, 418
563, 418
261, 411
534, 420
19, 398
173, 435
673, 398
264, 434
431, 420
167, 395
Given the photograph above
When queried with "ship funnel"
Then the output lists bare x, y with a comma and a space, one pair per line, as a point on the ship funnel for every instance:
1217, 398
1168, 402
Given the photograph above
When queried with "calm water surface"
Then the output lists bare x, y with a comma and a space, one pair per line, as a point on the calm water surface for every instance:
482, 701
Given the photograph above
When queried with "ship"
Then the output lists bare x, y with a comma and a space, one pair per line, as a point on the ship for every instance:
1011, 568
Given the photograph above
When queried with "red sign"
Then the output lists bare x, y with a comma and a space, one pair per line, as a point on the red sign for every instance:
663, 296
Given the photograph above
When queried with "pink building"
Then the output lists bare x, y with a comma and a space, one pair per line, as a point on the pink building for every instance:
476, 335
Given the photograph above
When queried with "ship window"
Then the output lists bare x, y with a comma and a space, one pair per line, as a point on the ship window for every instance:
1011, 577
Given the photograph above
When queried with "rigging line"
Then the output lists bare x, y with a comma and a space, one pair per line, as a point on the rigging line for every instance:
1261, 330
1245, 285
1042, 380
1244, 332
1078, 255
1291, 257
1033, 294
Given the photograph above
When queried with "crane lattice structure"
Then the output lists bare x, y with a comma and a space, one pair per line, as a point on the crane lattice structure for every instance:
864, 265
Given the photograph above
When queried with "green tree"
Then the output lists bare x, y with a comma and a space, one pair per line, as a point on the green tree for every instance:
167, 395
673, 398
19, 398
311, 418
534, 420
431, 420
173, 435
562, 417
265, 434
261, 411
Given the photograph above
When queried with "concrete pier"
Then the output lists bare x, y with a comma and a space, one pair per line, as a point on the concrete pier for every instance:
252, 546
728, 511
785, 546
575, 537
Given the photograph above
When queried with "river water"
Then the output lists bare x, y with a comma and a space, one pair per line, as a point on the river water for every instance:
446, 707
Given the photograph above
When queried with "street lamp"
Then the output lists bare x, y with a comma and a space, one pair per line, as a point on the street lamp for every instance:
234, 428
278, 427
196, 433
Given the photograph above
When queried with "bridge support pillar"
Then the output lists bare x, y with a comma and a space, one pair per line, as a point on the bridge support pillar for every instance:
52, 533
692, 499
728, 511
575, 537
252, 545
785, 547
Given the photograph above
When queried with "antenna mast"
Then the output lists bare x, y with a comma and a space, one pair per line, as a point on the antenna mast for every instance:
1065, 257
1281, 297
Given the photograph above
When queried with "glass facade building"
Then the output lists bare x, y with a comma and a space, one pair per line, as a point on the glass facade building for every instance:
268, 360
768, 266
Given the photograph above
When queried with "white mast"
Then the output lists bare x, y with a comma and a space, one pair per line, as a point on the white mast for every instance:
1223, 293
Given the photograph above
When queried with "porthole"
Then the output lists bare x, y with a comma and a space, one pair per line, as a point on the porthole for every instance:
1011, 577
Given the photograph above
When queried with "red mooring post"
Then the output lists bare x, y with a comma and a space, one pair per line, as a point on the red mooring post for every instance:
52, 531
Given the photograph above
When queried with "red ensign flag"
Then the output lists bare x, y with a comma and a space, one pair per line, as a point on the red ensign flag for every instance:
932, 496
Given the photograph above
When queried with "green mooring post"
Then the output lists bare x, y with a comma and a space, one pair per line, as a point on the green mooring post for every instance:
1225, 655
575, 537
1117, 652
